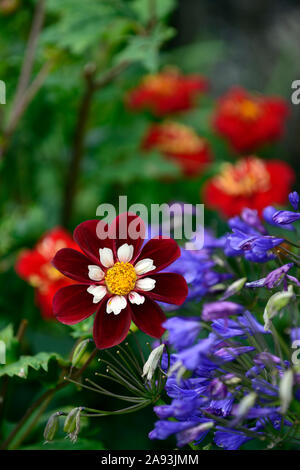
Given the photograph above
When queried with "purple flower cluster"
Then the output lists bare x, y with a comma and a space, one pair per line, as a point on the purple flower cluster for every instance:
208, 378
227, 374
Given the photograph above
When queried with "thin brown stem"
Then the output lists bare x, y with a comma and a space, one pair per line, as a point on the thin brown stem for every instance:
29, 55
77, 153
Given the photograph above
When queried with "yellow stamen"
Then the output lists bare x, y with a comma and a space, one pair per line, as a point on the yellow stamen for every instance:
178, 139
163, 84
244, 179
121, 278
247, 109
51, 272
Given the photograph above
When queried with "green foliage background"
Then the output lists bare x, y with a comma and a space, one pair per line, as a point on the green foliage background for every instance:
78, 36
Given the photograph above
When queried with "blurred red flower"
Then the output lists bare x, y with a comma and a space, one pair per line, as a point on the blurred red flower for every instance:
251, 183
34, 266
117, 278
248, 121
180, 144
166, 92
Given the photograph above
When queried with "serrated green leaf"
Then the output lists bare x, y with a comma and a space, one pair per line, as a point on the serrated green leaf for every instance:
145, 49
161, 8
21, 367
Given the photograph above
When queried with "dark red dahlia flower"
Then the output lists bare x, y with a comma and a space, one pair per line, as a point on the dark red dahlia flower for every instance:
118, 279
249, 121
251, 183
180, 144
34, 266
166, 92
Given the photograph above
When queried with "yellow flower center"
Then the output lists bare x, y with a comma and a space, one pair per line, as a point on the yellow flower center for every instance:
178, 139
162, 84
244, 179
120, 279
51, 272
249, 110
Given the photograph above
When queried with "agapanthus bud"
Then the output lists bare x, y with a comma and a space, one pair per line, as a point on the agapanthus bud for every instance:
285, 217
217, 389
51, 427
246, 404
268, 213
152, 362
79, 352
275, 303
234, 288
294, 199
286, 390
221, 309
72, 423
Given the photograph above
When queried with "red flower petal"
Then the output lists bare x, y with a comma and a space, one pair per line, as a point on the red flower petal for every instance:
170, 288
88, 236
128, 228
162, 250
73, 264
149, 317
110, 329
72, 304
30, 263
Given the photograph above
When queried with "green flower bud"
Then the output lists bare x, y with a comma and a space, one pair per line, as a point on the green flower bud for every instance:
276, 303
286, 390
152, 362
72, 423
246, 404
234, 288
79, 352
51, 427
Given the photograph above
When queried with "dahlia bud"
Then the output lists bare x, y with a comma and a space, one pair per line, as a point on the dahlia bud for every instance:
152, 362
285, 390
276, 303
51, 427
72, 423
79, 352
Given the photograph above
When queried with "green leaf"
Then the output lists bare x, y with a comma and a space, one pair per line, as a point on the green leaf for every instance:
145, 49
21, 367
79, 24
162, 8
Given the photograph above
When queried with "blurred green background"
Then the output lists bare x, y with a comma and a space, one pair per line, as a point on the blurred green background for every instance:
65, 148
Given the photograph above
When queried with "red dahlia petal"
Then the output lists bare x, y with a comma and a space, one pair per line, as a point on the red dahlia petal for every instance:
148, 317
128, 228
72, 264
72, 304
89, 236
170, 288
110, 329
162, 250
30, 263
